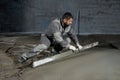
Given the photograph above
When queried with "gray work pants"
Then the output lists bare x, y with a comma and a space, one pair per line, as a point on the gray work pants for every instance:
45, 44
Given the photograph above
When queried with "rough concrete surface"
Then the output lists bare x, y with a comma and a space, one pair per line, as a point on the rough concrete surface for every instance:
99, 63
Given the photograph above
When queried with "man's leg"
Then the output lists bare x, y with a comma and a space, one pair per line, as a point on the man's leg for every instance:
68, 40
58, 46
35, 51
45, 43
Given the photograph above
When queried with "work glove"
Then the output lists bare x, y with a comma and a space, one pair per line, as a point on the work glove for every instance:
73, 48
79, 46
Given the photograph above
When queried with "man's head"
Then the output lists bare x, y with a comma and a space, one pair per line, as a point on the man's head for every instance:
67, 19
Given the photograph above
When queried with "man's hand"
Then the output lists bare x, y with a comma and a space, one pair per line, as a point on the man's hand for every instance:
79, 46
71, 47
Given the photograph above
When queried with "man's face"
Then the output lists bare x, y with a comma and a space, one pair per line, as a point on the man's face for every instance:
68, 22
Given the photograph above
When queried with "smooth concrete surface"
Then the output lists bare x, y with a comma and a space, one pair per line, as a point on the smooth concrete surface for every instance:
97, 64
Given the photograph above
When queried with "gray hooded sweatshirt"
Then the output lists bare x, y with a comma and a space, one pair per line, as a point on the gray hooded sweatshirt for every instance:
58, 33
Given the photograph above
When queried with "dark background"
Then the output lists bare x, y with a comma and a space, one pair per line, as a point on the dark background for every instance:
33, 16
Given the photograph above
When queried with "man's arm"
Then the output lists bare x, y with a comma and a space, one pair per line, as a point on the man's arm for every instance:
74, 38
57, 34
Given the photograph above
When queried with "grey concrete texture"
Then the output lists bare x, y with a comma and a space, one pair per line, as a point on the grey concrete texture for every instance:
96, 64
99, 63
10, 49
33, 16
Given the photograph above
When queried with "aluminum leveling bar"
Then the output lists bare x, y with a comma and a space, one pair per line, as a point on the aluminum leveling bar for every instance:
62, 55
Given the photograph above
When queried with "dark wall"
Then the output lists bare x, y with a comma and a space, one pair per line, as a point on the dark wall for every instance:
33, 16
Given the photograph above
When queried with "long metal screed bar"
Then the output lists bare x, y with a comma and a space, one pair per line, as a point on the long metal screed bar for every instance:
62, 55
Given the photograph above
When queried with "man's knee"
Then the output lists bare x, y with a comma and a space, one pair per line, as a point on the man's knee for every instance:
40, 47
58, 47
68, 40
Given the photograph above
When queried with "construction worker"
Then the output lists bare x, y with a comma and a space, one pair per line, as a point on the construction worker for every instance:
58, 34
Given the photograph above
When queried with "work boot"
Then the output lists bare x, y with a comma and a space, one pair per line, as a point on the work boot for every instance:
22, 58
25, 56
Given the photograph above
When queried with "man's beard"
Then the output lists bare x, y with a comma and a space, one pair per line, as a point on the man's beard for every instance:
65, 25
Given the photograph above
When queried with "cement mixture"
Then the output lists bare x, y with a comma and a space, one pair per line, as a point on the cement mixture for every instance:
99, 63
